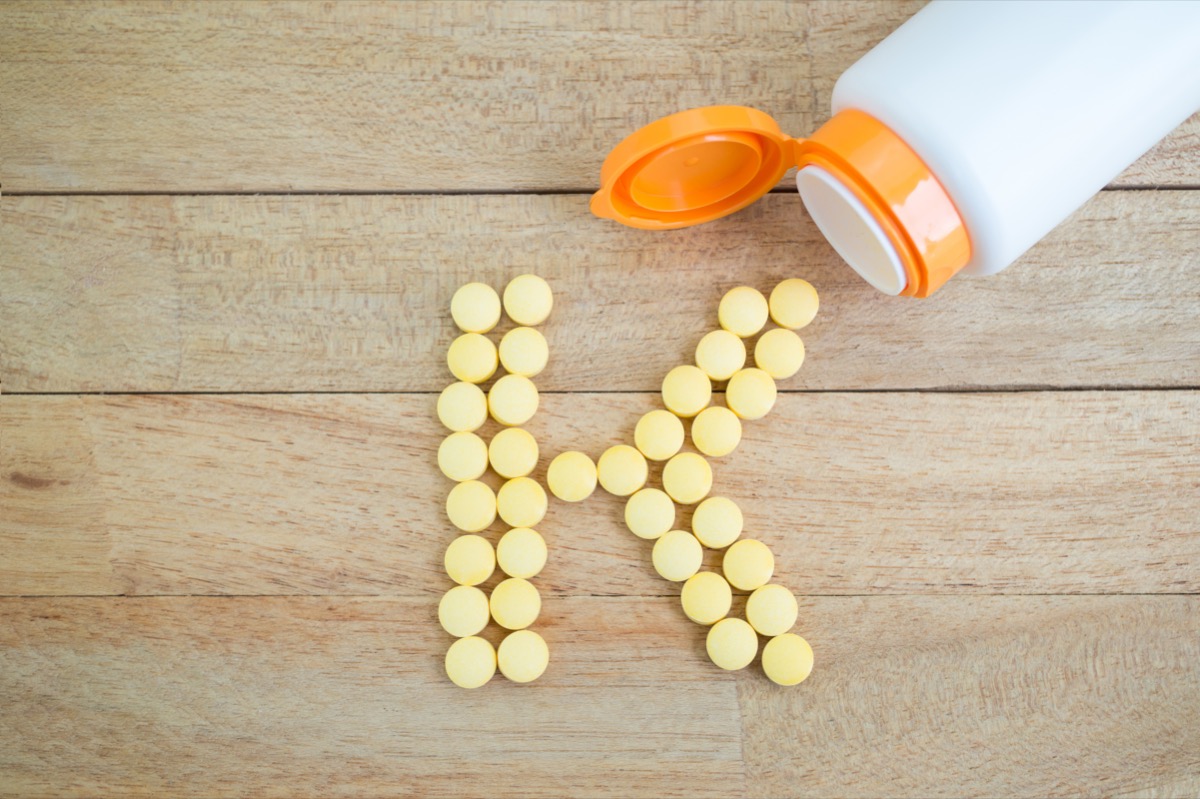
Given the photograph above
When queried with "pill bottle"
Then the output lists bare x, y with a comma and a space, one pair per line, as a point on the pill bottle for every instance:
955, 144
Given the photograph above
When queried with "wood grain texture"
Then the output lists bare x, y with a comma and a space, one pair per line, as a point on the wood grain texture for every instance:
856, 493
352, 294
1013, 696
246, 96
347, 697
1029, 696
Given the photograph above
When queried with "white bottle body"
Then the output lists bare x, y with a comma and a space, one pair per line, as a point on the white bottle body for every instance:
1024, 110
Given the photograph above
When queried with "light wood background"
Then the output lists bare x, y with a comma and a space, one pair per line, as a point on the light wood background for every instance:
229, 235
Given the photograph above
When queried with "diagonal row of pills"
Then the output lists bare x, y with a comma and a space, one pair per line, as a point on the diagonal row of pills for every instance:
472, 506
687, 479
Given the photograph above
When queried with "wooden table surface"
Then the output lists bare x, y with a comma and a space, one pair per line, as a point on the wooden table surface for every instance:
230, 235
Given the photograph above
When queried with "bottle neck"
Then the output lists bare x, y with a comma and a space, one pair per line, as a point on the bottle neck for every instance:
880, 206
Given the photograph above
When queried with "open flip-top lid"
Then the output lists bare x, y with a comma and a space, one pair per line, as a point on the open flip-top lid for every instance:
693, 167
872, 196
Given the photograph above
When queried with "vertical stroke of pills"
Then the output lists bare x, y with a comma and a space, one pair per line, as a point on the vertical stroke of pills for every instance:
471, 505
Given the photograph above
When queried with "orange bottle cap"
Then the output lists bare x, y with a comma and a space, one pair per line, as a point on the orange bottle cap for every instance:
706, 163
692, 167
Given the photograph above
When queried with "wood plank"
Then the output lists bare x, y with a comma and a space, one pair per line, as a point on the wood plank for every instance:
347, 697
352, 294
912, 696
857, 493
246, 96
1012, 696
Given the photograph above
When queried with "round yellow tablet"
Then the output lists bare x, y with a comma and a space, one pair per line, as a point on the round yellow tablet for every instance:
513, 400
523, 351
459, 456
470, 560
472, 358
622, 470
521, 502
706, 598
717, 522
471, 506
687, 478
794, 303
748, 564
462, 407
513, 452
731, 644
523, 656
528, 300
677, 556
475, 308
772, 609
716, 431
463, 611
571, 476
686, 390
779, 353
743, 311
649, 513
659, 435
521, 553
750, 393
515, 603
787, 659
470, 662
720, 353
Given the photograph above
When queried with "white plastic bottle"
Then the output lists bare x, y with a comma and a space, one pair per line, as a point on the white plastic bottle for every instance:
956, 144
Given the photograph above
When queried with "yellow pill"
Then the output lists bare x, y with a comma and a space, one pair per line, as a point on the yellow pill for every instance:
521, 553
622, 470
521, 502
470, 662
523, 351
649, 513
779, 353
787, 659
686, 390
462, 407
743, 311
659, 435
513, 400
687, 478
750, 394
794, 303
731, 644
571, 476
463, 611
523, 656
513, 452
471, 506
528, 300
472, 358
677, 556
717, 522
475, 308
470, 560
720, 353
515, 603
459, 456
772, 609
748, 564
706, 598
716, 431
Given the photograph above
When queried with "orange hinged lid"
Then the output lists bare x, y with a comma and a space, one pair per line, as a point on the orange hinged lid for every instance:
693, 167
706, 163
